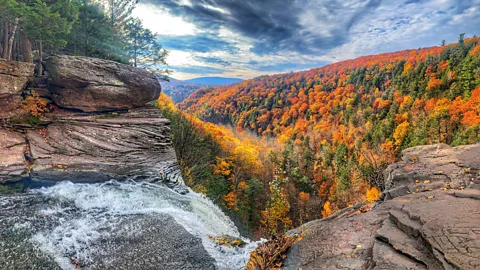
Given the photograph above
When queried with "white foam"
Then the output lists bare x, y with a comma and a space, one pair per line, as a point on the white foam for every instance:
101, 204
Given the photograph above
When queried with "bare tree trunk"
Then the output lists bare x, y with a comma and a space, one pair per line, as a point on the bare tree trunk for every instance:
16, 50
10, 41
135, 52
112, 16
5, 39
40, 58
27, 48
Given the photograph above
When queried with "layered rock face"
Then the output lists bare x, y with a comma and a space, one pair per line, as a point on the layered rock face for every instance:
130, 141
14, 77
430, 219
12, 162
83, 148
93, 85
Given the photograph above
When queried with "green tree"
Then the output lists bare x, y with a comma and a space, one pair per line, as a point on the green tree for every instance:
119, 11
143, 47
47, 28
93, 36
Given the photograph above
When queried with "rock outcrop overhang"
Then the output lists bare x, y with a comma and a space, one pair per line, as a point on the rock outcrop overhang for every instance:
96, 85
429, 219
103, 129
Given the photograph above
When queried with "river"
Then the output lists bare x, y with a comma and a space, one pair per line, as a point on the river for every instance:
115, 225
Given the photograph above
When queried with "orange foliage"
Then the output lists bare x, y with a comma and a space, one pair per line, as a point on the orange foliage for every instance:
345, 122
34, 105
373, 194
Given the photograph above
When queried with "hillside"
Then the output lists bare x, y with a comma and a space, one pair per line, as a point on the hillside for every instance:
179, 90
341, 125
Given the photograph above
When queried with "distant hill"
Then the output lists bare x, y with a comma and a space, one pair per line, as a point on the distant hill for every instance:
215, 80
179, 90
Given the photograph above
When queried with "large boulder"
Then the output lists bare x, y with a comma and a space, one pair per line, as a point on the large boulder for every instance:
14, 76
12, 162
429, 219
94, 85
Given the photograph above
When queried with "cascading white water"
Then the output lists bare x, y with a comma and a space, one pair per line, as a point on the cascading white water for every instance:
102, 205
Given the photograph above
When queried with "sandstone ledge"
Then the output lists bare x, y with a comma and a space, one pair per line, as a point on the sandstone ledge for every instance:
433, 224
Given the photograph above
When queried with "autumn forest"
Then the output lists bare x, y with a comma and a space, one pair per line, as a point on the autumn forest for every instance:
278, 151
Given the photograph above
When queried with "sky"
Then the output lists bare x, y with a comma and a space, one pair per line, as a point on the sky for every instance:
249, 38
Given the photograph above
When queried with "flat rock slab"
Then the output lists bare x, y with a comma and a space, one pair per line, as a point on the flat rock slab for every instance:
452, 167
430, 219
12, 160
441, 233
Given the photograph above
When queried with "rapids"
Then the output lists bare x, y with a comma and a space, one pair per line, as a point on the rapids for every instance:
116, 224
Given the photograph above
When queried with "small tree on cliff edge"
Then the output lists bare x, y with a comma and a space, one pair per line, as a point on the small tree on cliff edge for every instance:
144, 49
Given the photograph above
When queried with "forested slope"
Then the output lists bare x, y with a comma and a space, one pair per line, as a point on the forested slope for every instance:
342, 124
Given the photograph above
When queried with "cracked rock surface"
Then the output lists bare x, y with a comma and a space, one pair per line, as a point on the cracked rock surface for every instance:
431, 219
14, 76
12, 161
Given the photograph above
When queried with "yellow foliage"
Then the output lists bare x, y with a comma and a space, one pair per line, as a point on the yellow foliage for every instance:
247, 154
373, 194
400, 132
242, 185
230, 200
34, 105
200, 189
222, 167
165, 102
326, 210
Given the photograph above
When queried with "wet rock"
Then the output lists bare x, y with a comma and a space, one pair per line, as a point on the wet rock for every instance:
430, 220
14, 77
94, 85
137, 241
12, 162
158, 242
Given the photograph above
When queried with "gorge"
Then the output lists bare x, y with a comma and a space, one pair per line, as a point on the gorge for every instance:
103, 189
112, 194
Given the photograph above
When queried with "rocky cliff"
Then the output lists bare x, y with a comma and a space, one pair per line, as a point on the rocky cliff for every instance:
102, 126
429, 219
14, 77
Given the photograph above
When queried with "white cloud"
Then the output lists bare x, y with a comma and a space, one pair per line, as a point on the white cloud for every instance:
390, 26
161, 22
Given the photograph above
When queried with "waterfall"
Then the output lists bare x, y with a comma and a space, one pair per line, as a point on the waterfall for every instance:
85, 216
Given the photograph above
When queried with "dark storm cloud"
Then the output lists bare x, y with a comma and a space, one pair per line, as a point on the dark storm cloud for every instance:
311, 30
201, 43
276, 25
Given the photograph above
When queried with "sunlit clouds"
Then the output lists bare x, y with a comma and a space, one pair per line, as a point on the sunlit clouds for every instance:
250, 38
